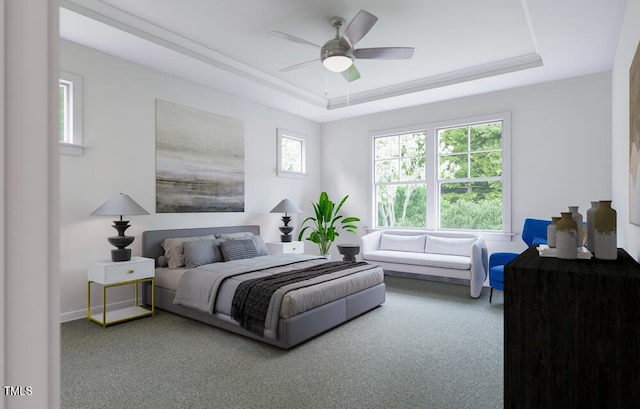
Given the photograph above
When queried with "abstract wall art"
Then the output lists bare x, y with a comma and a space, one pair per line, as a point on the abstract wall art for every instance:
199, 161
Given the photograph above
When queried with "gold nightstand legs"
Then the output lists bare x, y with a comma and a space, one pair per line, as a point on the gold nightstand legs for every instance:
124, 314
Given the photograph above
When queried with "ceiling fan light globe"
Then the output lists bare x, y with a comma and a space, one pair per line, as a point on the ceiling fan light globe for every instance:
337, 63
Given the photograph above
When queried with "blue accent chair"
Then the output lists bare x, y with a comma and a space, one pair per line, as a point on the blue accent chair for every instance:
534, 232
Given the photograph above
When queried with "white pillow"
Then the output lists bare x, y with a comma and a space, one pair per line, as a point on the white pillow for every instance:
174, 250
402, 243
455, 246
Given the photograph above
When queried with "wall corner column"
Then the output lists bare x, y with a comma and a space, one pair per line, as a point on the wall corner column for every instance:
29, 208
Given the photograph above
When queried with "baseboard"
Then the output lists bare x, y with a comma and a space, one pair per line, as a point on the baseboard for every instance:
82, 314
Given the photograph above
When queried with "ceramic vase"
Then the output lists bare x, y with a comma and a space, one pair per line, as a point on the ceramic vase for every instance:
605, 242
591, 226
577, 217
566, 237
551, 232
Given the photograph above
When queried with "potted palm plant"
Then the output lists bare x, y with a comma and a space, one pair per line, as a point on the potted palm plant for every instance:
325, 226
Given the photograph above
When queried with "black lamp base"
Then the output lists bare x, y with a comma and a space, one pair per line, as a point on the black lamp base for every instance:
121, 241
285, 237
120, 255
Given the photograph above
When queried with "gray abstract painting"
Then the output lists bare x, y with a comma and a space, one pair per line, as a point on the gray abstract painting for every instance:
199, 161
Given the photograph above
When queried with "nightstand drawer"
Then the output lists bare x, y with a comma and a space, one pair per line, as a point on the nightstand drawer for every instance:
294, 247
113, 272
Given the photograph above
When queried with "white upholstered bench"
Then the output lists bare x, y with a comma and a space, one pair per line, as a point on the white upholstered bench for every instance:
425, 254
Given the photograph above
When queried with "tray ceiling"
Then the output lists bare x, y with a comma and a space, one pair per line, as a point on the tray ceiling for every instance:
462, 47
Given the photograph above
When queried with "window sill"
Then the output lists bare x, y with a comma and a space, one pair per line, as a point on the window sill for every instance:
294, 175
497, 236
487, 235
71, 149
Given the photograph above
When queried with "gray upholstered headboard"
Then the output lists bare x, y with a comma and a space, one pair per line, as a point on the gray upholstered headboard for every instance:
152, 239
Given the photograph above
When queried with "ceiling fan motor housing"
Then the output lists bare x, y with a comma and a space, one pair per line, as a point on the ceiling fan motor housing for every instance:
334, 48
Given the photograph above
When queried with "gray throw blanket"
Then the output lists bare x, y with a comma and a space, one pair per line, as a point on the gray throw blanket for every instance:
252, 297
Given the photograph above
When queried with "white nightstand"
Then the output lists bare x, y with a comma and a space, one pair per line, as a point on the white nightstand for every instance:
112, 274
295, 247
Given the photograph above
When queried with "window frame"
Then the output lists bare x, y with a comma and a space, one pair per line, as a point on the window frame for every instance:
285, 134
72, 144
399, 158
432, 172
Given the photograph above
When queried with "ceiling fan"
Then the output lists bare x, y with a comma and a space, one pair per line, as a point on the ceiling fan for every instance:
337, 54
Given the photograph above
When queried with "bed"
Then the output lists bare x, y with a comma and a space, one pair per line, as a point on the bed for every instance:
330, 294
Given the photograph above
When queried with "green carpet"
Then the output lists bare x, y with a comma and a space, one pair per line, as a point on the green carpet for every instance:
428, 346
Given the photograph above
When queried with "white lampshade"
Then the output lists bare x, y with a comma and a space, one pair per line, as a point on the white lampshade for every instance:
286, 206
337, 63
119, 205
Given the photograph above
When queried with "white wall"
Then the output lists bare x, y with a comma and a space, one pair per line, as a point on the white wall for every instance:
548, 120
119, 135
628, 234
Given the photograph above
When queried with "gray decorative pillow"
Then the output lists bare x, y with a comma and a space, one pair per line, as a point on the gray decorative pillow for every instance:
260, 246
174, 251
238, 249
163, 261
231, 236
201, 252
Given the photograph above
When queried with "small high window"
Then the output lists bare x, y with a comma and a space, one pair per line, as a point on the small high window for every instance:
291, 154
70, 130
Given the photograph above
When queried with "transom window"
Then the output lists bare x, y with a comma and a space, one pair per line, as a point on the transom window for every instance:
447, 176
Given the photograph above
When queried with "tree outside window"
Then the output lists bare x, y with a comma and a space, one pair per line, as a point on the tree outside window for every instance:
470, 177
400, 180
291, 149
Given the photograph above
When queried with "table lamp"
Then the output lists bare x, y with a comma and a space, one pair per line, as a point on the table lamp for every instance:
120, 205
286, 206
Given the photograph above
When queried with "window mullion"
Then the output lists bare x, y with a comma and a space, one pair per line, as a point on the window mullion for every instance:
432, 164
469, 151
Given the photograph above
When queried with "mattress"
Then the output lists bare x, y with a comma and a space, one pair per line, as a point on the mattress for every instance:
295, 301
169, 278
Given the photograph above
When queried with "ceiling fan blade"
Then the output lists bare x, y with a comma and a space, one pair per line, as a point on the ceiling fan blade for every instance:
384, 53
358, 28
351, 73
299, 65
295, 39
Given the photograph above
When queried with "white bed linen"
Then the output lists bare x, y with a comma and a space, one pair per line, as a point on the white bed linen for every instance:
169, 277
295, 301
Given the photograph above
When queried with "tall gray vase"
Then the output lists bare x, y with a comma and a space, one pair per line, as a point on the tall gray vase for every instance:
566, 241
577, 217
551, 232
605, 232
591, 226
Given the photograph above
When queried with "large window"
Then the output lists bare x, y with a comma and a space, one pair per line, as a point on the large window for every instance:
447, 176
70, 129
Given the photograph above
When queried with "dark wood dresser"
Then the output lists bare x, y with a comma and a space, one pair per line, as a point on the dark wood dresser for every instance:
571, 332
